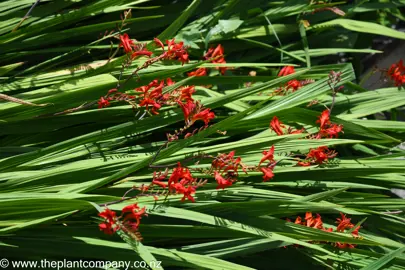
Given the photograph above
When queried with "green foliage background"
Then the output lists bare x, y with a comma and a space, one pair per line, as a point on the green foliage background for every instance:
54, 168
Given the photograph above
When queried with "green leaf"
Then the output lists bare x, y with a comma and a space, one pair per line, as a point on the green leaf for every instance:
381, 262
223, 27
178, 23
361, 26
303, 34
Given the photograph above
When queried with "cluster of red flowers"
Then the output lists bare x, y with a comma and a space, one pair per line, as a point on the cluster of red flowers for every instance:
194, 111
319, 155
175, 51
134, 49
397, 73
327, 129
225, 168
113, 94
128, 221
292, 85
180, 181
217, 55
344, 224
151, 96
277, 126
268, 170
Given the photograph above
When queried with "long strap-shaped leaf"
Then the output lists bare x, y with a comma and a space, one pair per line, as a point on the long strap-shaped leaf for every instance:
177, 24
378, 264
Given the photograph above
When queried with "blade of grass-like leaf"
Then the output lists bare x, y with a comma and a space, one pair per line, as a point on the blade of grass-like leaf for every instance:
264, 45
6, 69
322, 195
384, 260
303, 33
361, 26
177, 24
141, 250
35, 222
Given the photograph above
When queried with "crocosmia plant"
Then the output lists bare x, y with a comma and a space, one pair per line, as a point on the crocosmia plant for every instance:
202, 134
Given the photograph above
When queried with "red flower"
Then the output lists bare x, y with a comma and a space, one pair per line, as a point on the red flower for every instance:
159, 43
304, 163
287, 70
205, 115
321, 154
108, 227
187, 194
332, 131
355, 232
103, 103
298, 220
267, 173
198, 72
397, 73
277, 126
268, 155
187, 108
144, 89
294, 85
108, 215
139, 53
316, 222
134, 212
159, 183
150, 102
313, 222
218, 54
318, 156
327, 129
297, 131
126, 43
344, 245
186, 93
176, 51
218, 51
222, 182
344, 223
324, 119
169, 82
157, 91
186, 191
227, 163
194, 111
180, 173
